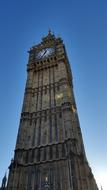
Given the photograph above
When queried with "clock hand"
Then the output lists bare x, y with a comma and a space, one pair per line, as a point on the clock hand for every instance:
43, 54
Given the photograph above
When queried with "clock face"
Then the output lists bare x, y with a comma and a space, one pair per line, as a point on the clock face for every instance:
45, 53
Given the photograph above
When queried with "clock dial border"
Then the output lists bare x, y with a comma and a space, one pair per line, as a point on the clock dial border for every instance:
45, 53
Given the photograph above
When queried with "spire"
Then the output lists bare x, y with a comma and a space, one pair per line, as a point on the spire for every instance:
49, 32
49, 37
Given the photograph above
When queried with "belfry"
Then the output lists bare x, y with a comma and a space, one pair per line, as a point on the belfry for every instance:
49, 153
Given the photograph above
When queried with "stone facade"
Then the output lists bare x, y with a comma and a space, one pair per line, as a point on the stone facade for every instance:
49, 152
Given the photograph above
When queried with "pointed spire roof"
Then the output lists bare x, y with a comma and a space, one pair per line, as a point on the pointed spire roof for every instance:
49, 37
49, 32
49, 40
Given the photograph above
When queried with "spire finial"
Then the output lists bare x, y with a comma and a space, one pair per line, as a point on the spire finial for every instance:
49, 32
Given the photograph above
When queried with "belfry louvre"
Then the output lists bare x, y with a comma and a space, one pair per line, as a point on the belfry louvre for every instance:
49, 153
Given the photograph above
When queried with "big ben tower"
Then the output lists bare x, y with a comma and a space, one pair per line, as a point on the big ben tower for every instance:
49, 153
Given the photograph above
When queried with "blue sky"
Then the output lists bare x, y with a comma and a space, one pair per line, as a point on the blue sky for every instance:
83, 27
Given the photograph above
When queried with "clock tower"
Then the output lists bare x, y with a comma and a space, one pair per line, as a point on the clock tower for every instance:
49, 153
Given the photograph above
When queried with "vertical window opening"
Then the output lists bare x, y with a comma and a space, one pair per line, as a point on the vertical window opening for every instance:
51, 153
